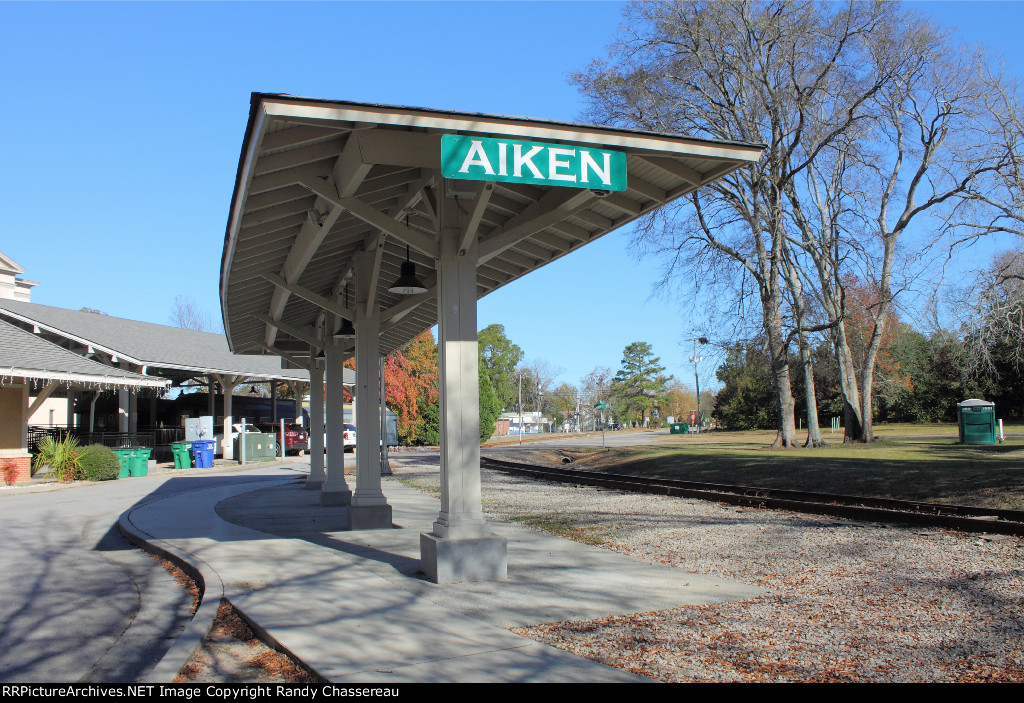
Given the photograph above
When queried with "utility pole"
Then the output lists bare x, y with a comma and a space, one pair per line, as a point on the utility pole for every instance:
696, 377
520, 408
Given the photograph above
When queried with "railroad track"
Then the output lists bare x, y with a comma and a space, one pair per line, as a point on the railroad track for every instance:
959, 517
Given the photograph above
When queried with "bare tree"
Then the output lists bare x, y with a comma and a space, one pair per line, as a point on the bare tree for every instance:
794, 76
873, 123
187, 314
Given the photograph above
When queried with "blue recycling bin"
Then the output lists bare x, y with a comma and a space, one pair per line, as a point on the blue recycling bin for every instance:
203, 451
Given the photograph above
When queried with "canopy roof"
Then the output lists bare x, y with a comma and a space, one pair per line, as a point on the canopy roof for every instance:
171, 352
321, 181
26, 355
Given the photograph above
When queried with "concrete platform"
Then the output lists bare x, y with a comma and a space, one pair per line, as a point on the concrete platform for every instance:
355, 607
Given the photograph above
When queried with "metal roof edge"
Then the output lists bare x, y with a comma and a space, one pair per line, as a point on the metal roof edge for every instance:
458, 114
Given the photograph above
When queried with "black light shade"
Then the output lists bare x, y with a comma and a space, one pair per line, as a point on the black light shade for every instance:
347, 331
407, 283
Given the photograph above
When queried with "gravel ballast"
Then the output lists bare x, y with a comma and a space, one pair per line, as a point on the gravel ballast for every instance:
845, 601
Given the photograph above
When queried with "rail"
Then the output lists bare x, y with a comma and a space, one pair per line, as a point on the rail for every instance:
960, 517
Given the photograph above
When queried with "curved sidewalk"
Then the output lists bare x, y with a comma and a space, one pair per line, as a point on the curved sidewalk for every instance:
354, 608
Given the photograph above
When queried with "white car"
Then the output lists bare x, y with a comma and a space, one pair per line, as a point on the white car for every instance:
349, 438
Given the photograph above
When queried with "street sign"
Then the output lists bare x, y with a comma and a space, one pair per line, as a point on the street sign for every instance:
600, 406
516, 161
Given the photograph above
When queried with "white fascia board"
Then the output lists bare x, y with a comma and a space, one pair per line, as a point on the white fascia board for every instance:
223, 372
259, 127
72, 337
681, 146
14, 371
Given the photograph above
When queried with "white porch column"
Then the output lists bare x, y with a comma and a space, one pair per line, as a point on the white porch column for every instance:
335, 490
316, 425
227, 387
369, 509
273, 401
72, 396
133, 410
460, 547
123, 409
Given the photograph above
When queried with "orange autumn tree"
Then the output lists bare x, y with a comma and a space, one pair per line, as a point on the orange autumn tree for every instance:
410, 385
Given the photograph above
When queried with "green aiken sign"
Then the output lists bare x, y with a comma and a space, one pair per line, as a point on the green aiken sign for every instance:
513, 161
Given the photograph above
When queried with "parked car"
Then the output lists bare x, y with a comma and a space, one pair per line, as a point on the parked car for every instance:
296, 439
349, 438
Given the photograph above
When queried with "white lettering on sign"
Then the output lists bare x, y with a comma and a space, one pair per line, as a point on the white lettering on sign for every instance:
502, 159
554, 163
519, 160
587, 163
476, 157
508, 160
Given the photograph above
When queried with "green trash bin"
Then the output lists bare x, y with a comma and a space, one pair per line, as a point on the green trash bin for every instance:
125, 457
679, 428
182, 459
977, 422
140, 462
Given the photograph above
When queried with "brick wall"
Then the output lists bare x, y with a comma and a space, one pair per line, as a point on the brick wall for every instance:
22, 464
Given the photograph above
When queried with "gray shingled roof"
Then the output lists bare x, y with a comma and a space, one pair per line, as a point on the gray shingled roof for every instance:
23, 354
150, 344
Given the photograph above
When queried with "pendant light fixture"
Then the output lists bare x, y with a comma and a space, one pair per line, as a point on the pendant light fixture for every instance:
347, 331
407, 283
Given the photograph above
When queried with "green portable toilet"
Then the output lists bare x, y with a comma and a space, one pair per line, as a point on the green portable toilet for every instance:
977, 421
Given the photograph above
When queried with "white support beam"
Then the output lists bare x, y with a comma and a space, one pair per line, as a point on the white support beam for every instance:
469, 234
307, 334
372, 216
335, 490
43, 395
316, 425
371, 292
552, 207
369, 508
399, 310
460, 547
286, 356
315, 298
673, 167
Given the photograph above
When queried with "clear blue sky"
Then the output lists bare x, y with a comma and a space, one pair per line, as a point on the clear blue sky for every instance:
122, 124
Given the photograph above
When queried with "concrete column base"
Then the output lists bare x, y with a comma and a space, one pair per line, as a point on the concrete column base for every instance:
335, 497
314, 484
369, 517
446, 560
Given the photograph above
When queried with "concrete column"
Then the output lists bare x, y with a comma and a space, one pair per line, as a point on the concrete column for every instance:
123, 409
227, 386
133, 410
460, 547
385, 465
70, 423
316, 425
273, 401
369, 509
335, 490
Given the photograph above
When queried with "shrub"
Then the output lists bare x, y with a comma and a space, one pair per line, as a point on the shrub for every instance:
61, 456
10, 472
99, 463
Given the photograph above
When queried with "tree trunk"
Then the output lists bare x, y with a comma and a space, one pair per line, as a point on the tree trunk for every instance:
786, 438
813, 431
853, 427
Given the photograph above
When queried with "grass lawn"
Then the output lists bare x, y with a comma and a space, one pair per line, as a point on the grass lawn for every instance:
930, 468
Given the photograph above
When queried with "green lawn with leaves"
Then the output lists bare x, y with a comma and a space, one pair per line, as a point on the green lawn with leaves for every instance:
928, 466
